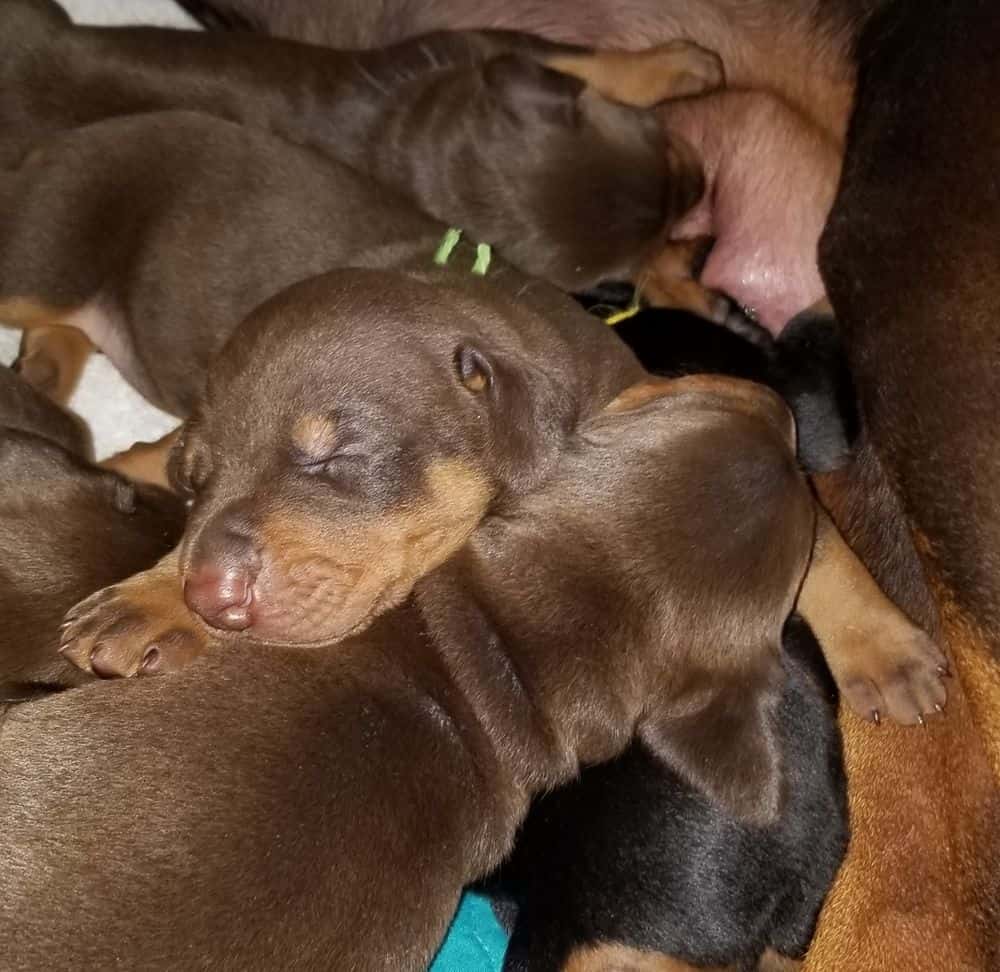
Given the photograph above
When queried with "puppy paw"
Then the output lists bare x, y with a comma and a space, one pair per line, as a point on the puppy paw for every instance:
132, 629
685, 68
897, 676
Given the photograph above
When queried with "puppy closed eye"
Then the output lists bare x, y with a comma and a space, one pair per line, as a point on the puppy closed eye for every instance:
342, 468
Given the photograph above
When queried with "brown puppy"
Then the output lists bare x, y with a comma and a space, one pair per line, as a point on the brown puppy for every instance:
24, 409
104, 241
329, 474
154, 235
921, 885
513, 139
141, 818
66, 529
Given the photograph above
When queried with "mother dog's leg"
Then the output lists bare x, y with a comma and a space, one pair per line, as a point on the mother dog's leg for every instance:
910, 256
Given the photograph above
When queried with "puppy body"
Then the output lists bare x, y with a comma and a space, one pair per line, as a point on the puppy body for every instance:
632, 855
155, 235
170, 228
474, 128
548, 640
66, 529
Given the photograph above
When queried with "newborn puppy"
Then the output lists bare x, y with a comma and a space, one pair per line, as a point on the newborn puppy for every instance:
151, 237
400, 454
771, 144
329, 476
66, 529
632, 868
629, 867
526, 145
154, 235
610, 600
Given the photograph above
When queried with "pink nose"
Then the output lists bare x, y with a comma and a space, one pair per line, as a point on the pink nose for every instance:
224, 598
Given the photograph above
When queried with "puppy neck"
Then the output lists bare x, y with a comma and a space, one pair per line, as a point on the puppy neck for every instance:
544, 646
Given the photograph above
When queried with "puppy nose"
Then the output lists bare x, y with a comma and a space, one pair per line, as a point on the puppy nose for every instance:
223, 596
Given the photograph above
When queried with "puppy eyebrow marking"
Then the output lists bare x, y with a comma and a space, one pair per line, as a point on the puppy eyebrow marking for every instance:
314, 436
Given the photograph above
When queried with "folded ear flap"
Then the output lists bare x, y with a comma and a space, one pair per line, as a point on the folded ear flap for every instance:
729, 750
532, 92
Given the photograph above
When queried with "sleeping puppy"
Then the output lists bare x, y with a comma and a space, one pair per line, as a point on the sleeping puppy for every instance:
66, 528
141, 817
304, 536
630, 867
525, 145
150, 237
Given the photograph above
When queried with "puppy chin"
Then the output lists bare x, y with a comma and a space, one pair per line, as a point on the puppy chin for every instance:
312, 622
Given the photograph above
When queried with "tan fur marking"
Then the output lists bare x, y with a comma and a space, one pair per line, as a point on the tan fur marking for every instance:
771, 961
923, 809
644, 79
925, 846
52, 358
28, 312
737, 394
147, 608
867, 641
315, 435
620, 958
145, 462
373, 564
668, 280
421, 536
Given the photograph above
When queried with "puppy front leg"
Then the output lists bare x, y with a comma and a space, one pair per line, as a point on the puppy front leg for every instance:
882, 662
52, 359
145, 462
138, 627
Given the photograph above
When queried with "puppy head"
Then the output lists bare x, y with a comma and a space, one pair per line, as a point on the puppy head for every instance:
24, 407
598, 183
718, 525
67, 529
352, 436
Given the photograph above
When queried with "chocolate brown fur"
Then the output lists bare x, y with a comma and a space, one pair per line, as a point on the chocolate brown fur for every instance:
66, 529
107, 226
547, 641
332, 472
472, 127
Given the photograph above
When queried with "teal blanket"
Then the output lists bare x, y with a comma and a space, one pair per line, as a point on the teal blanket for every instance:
475, 942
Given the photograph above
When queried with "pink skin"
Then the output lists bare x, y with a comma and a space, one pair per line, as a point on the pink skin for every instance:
771, 144
771, 180
772, 154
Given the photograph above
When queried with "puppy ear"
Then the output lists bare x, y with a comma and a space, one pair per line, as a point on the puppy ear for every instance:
530, 92
729, 750
473, 368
